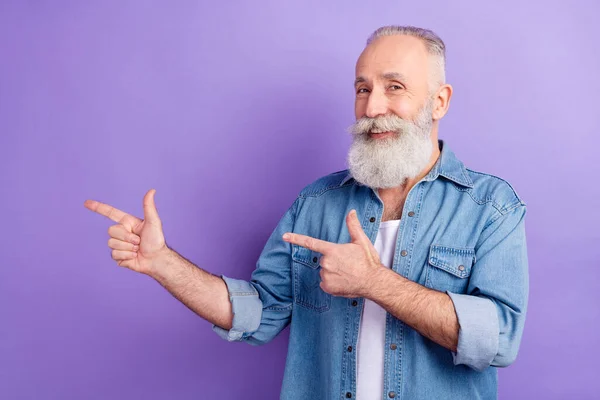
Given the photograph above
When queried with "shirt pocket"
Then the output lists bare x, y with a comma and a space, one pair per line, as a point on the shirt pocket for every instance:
307, 292
449, 268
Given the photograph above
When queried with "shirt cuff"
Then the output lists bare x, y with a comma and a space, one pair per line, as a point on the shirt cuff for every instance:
246, 307
478, 333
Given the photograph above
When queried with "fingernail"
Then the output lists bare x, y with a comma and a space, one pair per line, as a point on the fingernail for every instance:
136, 248
286, 236
136, 240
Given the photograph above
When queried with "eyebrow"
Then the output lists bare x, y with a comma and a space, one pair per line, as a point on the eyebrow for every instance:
388, 76
394, 75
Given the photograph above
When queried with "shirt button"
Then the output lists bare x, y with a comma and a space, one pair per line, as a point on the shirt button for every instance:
461, 267
314, 259
354, 303
404, 253
393, 346
392, 395
411, 214
349, 349
348, 395
372, 219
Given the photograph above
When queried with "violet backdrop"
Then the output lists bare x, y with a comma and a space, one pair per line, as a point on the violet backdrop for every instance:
228, 109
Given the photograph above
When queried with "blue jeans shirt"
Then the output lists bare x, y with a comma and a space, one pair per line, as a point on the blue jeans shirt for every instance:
463, 233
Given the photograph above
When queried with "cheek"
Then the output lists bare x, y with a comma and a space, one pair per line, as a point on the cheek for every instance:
360, 107
403, 108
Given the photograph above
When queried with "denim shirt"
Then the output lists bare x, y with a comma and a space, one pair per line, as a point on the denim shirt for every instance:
461, 232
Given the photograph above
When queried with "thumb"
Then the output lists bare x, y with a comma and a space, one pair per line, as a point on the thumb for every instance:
357, 234
150, 212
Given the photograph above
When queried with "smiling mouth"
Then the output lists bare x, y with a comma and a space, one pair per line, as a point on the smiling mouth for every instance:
380, 135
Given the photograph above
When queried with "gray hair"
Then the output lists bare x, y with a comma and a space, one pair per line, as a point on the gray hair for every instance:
433, 43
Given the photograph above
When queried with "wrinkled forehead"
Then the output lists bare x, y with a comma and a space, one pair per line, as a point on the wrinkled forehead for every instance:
401, 54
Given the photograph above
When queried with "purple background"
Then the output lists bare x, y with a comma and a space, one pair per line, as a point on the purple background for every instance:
228, 110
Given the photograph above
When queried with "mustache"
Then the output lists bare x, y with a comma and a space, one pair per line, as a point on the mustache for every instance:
383, 123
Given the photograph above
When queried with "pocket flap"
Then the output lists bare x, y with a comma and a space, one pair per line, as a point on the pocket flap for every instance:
306, 256
457, 261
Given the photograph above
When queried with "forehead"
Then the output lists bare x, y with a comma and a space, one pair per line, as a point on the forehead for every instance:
406, 55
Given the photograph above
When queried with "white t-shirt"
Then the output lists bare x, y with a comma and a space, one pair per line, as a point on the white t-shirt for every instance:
371, 337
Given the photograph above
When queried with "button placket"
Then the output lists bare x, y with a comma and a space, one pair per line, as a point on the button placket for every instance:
402, 266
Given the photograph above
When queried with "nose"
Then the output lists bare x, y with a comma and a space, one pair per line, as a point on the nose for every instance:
377, 104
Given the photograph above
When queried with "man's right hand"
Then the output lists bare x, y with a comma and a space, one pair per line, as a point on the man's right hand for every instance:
140, 245
136, 244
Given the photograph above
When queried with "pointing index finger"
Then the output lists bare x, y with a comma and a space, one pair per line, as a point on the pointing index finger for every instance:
108, 211
318, 245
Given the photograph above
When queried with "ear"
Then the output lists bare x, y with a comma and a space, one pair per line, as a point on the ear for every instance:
441, 101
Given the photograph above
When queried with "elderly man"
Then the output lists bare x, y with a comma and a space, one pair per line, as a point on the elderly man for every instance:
404, 276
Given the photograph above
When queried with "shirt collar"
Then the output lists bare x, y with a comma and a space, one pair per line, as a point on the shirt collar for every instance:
447, 165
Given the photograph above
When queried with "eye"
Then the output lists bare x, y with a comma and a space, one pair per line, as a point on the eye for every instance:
362, 90
395, 87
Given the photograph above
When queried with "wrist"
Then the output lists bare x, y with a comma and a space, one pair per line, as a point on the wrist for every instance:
160, 263
376, 282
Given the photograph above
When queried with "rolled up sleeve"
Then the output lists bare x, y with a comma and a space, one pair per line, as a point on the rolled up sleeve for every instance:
491, 315
478, 335
246, 307
262, 307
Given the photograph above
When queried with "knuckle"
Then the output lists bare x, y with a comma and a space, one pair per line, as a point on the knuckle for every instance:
115, 231
128, 221
324, 287
309, 242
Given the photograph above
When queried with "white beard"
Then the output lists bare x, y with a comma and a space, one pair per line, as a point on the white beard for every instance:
389, 162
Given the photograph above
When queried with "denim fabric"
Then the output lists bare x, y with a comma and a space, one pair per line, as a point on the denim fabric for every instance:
464, 234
